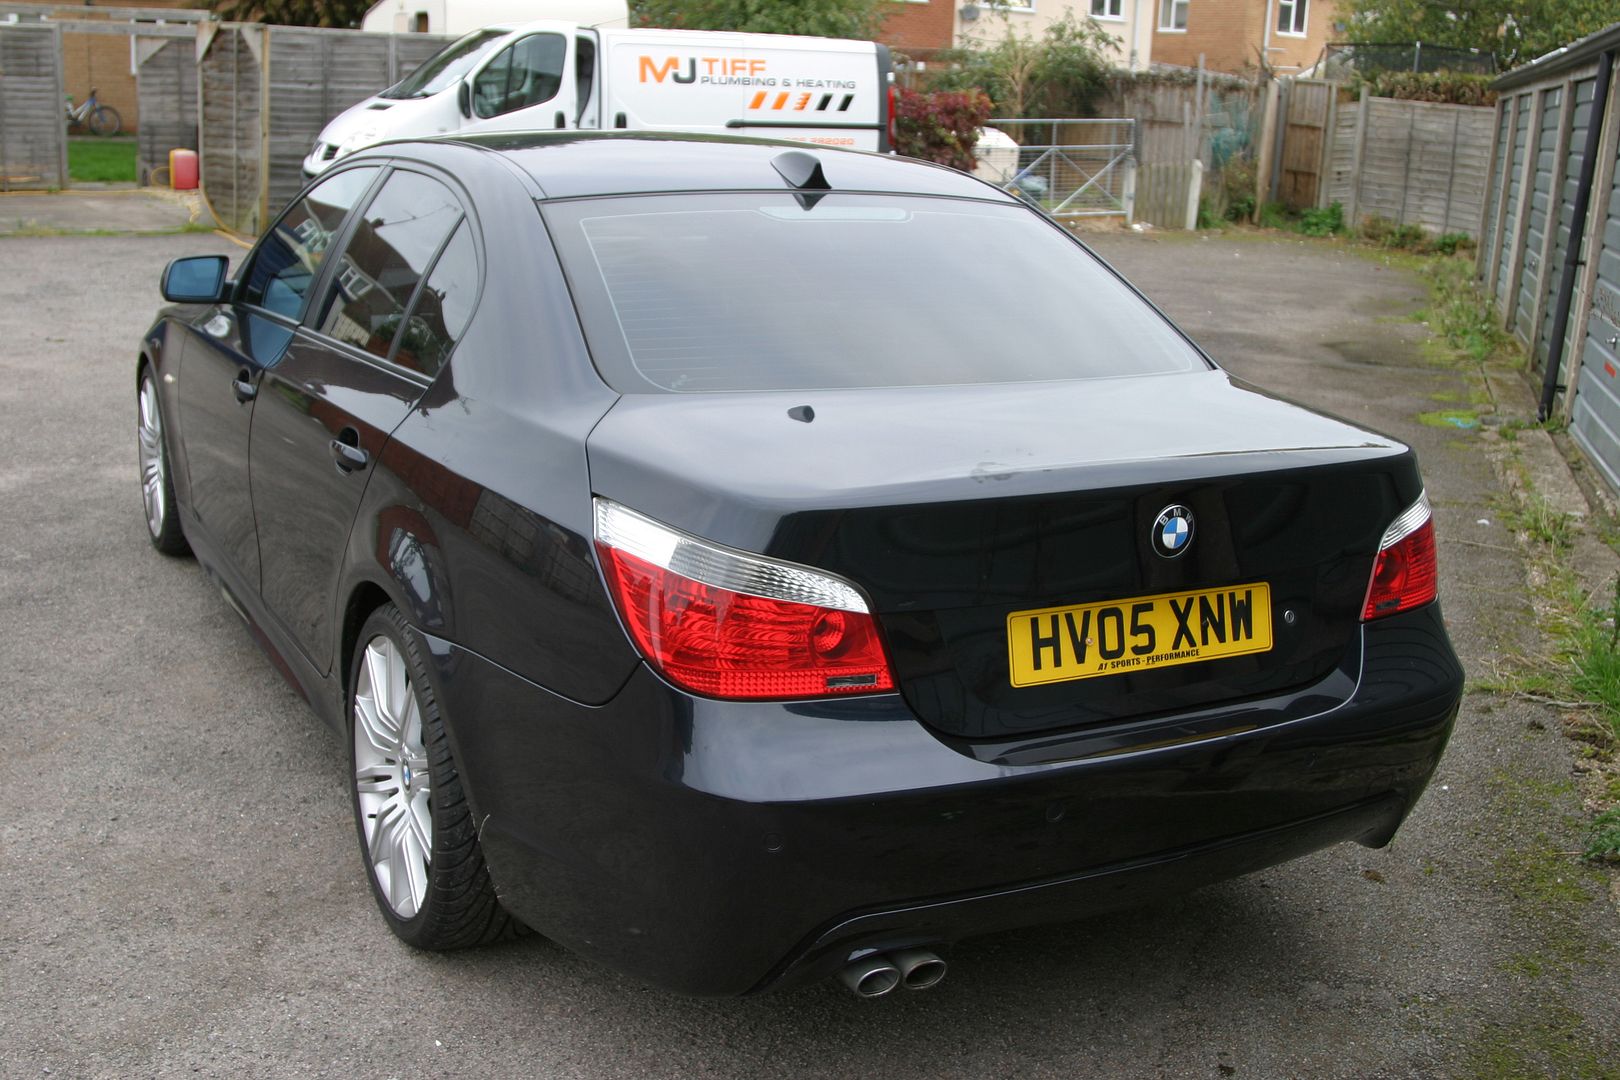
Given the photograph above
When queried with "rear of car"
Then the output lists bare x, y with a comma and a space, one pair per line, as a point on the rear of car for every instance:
969, 594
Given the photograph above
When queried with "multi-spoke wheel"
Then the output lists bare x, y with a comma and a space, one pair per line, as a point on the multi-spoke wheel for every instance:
416, 830
104, 120
157, 488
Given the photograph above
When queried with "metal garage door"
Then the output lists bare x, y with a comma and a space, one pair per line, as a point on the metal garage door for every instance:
1487, 238
1566, 211
1530, 278
1510, 227
1596, 416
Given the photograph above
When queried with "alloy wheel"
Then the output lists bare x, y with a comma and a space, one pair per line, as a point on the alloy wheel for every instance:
393, 780
153, 468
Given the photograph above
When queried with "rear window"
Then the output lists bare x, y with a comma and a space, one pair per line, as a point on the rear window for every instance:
750, 292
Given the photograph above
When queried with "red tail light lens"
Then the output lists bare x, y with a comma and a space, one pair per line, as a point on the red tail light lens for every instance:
727, 624
1406, 574
894, 117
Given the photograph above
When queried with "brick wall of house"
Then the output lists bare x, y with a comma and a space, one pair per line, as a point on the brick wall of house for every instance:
1231, 34
918, 29
103, 60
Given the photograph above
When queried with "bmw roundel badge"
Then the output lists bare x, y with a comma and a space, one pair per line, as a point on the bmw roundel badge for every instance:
1172, 530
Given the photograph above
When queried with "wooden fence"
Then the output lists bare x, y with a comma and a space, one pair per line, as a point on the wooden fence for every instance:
166, 88
33, 135
266, 92
1413, 162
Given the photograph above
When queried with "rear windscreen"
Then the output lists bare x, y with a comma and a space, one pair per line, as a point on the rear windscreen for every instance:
743, 292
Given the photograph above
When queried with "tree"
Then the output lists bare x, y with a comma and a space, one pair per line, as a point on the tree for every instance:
1514, 31
343, 13
821, 18
1057, 74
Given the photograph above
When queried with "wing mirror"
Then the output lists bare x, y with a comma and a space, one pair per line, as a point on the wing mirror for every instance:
199, 279
464, 97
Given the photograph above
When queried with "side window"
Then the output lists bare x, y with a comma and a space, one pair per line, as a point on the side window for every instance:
527, 72
443, 307
387, 255
287, 261
584, 75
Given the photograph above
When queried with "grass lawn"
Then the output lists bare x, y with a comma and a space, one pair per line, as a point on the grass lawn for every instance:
96, 160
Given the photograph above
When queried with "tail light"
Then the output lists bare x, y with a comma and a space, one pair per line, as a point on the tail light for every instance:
1405, 575
727, 624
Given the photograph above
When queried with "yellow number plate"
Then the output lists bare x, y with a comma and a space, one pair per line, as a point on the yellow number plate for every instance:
1082, 642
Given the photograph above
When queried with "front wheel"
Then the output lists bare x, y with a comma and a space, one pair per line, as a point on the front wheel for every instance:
104, 120
416, 830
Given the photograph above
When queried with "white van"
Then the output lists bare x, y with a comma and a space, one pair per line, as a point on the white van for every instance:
826, 91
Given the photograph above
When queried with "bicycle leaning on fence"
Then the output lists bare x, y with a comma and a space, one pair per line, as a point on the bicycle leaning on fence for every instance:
93, 116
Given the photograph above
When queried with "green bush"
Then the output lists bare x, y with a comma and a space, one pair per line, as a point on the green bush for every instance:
941, 127
1274, 215
1322, 221
1453, 242
1447, 87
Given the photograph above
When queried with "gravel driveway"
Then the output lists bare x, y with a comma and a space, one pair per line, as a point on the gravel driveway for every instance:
181, 890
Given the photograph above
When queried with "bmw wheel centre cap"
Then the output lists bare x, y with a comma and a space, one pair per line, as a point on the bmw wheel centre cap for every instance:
1172, 531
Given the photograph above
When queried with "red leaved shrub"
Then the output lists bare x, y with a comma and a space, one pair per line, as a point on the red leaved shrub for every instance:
941, 126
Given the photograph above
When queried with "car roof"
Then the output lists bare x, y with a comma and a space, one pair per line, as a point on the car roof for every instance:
576, 164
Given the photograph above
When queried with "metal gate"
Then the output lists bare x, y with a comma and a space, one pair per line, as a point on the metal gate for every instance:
1069, 168
33, 129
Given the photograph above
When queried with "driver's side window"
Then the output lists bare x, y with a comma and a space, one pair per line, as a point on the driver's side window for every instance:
527, 72
289, 258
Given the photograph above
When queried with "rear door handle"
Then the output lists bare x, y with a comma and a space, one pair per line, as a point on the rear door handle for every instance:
242, 386
346, 451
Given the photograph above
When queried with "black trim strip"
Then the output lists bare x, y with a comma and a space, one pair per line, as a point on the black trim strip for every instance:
802, 124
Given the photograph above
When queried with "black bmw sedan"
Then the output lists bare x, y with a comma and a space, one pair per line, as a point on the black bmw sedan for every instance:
746, 563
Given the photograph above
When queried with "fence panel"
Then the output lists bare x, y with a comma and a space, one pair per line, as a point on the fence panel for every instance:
166, 88
230, 138
1420, 163
33, 132
1303, 139
316, 74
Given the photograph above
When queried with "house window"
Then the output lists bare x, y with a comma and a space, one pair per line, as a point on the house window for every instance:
1173, 14
1108, 9
1291, 16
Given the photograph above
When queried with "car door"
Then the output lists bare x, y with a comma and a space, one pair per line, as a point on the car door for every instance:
528, 85
367, 351
232, 344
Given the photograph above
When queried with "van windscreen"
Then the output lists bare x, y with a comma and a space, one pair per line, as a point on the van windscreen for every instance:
446, 67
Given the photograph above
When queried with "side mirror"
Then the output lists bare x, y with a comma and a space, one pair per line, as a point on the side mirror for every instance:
464, 97
199, 279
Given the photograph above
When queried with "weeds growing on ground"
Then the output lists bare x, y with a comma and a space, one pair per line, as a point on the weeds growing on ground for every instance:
1459, 312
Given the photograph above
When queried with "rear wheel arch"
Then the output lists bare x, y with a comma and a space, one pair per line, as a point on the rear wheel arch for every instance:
365, 598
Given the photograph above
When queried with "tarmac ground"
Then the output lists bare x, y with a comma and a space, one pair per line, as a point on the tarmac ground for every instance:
183, 895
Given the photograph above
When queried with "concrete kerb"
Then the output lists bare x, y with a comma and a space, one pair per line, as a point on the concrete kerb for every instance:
99, 211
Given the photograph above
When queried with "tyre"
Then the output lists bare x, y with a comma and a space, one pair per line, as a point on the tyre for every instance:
417, 835
157, 484
104, 120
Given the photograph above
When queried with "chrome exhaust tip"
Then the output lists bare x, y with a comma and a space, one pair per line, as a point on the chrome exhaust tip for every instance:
871, 976
919, 968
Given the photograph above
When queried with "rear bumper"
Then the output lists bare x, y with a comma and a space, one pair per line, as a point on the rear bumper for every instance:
722, 848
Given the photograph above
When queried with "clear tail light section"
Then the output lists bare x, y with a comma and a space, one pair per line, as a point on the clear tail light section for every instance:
727, 624
1405, 575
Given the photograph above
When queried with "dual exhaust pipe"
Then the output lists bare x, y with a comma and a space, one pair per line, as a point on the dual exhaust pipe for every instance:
877, 973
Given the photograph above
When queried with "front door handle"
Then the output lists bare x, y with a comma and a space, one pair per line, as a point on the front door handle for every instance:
346, 451
242, 386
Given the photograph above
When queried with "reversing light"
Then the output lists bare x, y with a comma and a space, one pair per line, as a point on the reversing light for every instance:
1405, 575
728, 624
